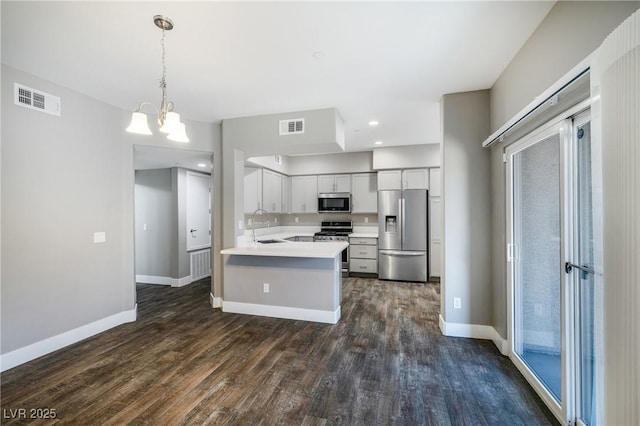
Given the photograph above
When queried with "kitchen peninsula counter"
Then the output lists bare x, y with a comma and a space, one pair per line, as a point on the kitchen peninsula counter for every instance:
293, 280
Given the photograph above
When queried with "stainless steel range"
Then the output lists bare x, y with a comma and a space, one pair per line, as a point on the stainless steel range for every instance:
336, 231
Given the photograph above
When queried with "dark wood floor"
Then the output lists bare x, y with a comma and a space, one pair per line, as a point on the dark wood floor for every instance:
385, 362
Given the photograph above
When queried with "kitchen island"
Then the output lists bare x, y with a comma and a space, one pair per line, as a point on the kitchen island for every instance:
294, 280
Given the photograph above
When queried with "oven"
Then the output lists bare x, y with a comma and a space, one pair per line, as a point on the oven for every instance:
336, 231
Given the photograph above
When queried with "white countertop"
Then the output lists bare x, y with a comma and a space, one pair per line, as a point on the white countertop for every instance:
290, 249
363, 235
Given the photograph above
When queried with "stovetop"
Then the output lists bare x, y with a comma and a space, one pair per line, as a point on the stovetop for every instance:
335, 228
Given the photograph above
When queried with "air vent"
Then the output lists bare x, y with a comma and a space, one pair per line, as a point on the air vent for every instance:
35, 99
292, 127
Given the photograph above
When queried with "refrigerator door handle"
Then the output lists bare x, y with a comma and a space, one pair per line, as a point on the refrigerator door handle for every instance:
402, 253
402, 227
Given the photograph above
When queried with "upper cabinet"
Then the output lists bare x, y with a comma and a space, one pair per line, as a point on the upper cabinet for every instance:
389, 179
434, 182
403, 179
334, 183
304, 194
252, 189
364, 196
271, 191
415, 179
286, 194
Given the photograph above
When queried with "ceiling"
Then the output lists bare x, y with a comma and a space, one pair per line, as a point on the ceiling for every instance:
384, 61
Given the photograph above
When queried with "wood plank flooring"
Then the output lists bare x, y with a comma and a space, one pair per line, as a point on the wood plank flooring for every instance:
183, 363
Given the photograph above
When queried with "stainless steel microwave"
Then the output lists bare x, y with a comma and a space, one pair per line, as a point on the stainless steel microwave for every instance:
334, 203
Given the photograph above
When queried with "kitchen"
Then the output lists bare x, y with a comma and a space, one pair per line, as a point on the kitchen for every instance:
328, 197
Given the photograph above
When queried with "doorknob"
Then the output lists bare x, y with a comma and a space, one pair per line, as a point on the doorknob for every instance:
192, 230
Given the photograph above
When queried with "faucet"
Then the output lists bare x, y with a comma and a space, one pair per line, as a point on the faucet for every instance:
253, 221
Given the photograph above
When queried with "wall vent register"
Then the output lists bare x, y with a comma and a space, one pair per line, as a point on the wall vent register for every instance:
36, 99
292, 127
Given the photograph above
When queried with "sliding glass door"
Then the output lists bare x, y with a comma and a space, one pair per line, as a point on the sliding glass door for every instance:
537, 259
550, 254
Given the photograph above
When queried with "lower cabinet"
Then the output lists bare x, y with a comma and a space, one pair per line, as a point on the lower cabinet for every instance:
363, 255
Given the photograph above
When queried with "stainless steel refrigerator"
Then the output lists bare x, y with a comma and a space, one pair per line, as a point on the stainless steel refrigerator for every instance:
402, 235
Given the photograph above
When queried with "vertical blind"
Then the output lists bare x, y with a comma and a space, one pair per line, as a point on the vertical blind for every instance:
616, 110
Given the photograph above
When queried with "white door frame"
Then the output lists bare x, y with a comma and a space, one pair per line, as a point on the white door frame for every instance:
562, 125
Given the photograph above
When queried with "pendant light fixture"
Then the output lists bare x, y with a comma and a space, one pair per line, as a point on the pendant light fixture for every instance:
168, 119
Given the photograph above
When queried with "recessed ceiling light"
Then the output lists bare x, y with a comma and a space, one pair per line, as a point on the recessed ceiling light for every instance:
202, 165
378, 142
373, 123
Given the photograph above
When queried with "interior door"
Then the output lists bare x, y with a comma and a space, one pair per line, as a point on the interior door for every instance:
198, 211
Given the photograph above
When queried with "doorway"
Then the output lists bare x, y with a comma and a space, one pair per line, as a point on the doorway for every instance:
550, 257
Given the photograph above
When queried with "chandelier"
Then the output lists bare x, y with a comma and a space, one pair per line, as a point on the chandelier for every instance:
168, 119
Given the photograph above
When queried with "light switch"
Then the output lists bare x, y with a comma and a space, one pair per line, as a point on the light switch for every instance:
99, 237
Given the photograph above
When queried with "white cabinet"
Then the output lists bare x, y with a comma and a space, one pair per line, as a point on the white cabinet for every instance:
272, 191
334, 183
363, 255
403, 179
304, 194
252, 189
389, 179
434, 183
286, 194
435, 236
415, 179
364, 194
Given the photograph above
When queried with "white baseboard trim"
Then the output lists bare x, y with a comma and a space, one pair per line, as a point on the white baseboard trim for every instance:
153, 279
474, 331
46, 346
282, 312
216, 302
180, 282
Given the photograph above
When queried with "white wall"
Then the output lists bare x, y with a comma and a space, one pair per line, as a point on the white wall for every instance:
348, 162
407, 157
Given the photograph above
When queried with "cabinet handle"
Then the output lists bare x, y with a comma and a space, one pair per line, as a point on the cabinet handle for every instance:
363, 267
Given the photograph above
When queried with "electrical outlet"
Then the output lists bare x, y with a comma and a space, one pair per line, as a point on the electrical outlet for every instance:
265, 287
249, 222
366, 219
457, 303
275, 219
297, 220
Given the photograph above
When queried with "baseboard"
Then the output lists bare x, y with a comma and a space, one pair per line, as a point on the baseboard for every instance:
216, 302
474, 331
153, 279
43, 347
282, 312
180, 282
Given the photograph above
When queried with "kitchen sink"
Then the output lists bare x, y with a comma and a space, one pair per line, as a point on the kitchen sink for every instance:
271, 241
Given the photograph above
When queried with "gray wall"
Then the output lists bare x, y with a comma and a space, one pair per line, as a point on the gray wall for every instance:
64, 178
259, 135
347, 162
569, 33
466, 198
153, 209
406, 157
